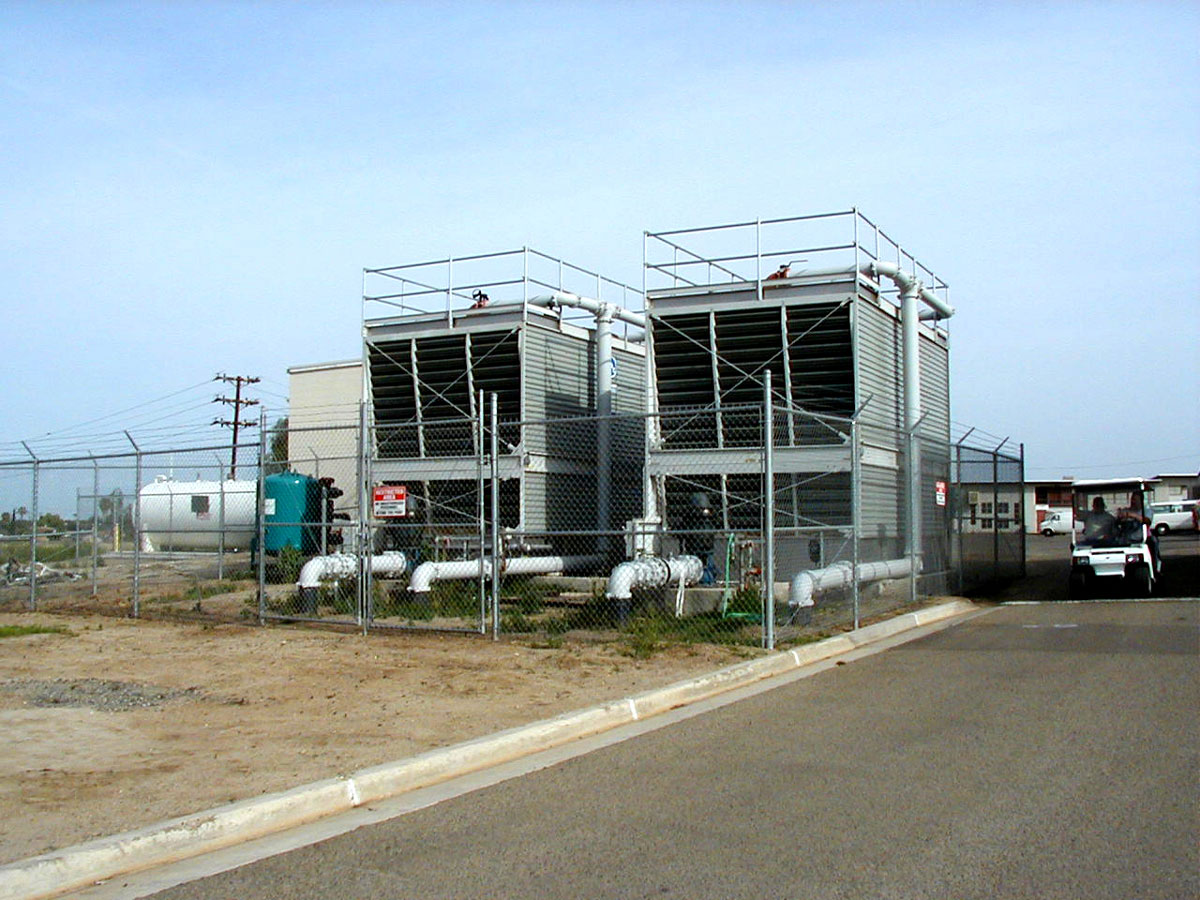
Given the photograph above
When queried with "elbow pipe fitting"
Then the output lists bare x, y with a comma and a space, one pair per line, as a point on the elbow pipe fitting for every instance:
652, 571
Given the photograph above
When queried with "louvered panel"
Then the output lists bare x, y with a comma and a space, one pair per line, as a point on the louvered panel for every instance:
496, 368
821, 358
393, 399
748, 343
445, 395
879, 365
683, 367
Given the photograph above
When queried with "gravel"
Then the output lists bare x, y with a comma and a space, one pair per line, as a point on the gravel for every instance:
95, 693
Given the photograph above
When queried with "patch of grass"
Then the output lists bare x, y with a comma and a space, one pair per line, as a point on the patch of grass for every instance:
204, 590
288, 563
642, 639
7, 631
516, 623
60, 551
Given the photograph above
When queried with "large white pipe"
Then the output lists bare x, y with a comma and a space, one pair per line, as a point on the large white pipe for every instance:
652, 571
345, 565
606, 367
566, 298
605, 314
427, 573
911, 290
904, 280
813, 581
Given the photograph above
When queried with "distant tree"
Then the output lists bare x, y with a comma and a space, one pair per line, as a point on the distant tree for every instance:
277, 453
54, 522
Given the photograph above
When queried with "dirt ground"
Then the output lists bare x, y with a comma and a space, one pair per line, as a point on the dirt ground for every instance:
173, 718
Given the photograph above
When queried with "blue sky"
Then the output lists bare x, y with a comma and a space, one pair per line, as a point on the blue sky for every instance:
194, 188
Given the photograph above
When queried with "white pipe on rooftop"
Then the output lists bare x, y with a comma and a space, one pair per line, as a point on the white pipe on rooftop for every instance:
427, 573
606, 367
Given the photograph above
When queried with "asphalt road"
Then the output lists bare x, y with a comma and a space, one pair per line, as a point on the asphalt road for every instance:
1036, 751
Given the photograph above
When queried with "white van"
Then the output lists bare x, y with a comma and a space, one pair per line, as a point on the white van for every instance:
1173, 515
1056, 521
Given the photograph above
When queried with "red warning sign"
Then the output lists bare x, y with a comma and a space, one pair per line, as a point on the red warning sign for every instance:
390, 501
939, 492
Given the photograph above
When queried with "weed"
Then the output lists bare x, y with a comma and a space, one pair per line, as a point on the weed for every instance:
288, 564
7, 631
642, 638
515, 623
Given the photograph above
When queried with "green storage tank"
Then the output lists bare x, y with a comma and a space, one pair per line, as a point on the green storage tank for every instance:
292, 512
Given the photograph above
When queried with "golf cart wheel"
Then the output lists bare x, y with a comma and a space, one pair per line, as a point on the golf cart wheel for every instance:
1161, 528
1077, 586
1143, 586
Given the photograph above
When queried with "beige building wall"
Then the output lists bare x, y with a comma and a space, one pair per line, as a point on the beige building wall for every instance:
323, 426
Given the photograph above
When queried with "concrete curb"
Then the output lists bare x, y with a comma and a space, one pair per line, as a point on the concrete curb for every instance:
165, 842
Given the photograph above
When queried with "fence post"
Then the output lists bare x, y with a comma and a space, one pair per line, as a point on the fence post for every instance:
95, 521
995, 517
495, 516
261, 521
768, 515
221, 524
137, 527
366, 541
78, 510
856, 508
914, 514
1021, 494
33, 514
480, 508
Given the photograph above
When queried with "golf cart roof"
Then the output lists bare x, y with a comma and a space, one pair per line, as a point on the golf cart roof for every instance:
1114, 483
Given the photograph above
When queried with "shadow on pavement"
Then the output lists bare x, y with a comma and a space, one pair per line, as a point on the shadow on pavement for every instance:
1048, 563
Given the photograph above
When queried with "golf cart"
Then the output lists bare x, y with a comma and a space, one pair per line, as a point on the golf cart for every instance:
1111, 545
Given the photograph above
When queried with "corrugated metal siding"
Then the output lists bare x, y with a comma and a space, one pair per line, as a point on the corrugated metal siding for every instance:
630, 382
879, 365
559, 374
935, 387
560, 502
882, 506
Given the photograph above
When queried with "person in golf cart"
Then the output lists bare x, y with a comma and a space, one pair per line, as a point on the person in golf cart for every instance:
1136, 513
1099, 523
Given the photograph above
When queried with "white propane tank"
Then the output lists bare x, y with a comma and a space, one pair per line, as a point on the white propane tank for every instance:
187, 515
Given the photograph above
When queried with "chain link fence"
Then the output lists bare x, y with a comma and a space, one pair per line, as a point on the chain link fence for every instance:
692, 525
989, 531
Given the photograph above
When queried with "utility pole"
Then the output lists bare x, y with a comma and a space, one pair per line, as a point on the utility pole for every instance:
237, 403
